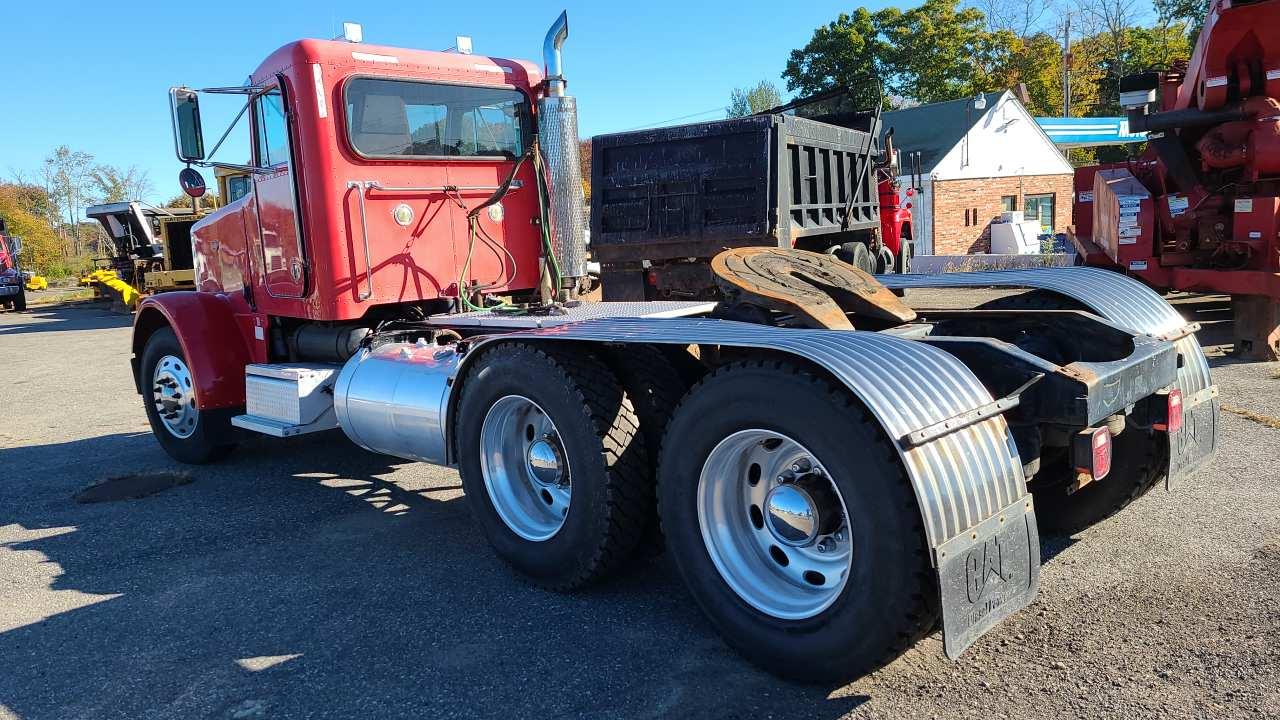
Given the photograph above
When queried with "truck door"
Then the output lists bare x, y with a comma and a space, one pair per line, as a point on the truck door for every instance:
284, 266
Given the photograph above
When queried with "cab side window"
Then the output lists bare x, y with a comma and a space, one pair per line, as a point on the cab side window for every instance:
272, 130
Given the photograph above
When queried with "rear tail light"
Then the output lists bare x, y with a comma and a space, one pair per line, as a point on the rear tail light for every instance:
1173, 412
1091, 455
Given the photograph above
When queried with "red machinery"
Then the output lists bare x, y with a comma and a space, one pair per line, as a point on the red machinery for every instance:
1200, 209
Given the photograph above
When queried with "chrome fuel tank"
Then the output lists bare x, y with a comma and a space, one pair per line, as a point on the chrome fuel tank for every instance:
394, 399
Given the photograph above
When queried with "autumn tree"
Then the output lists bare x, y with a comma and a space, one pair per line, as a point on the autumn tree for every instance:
119, 184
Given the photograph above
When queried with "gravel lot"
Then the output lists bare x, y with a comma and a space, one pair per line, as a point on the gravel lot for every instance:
311, 579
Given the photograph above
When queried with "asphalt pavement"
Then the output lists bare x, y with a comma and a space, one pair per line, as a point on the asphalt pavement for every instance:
308, 578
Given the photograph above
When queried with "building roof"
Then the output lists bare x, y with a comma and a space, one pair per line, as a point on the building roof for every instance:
932, 130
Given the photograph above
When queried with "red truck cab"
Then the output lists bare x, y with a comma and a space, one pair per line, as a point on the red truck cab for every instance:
364, 163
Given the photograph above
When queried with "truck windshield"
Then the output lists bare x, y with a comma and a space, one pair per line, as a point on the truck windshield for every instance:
404, 118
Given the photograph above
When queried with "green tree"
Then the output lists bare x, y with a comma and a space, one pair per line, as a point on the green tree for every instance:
749, 101
183, 200
936, 51
66, 177
1188, 12
846, 53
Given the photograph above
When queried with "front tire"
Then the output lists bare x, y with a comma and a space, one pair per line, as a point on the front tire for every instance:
827, 590
188, 433
20, 302
552, 463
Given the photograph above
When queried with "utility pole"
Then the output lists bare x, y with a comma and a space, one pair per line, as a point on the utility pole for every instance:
1066, 68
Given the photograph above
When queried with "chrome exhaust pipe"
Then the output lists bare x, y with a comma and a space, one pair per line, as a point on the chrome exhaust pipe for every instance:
558, 139
556, 36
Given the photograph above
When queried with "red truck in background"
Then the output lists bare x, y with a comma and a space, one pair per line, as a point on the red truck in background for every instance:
1199, 210
13, 294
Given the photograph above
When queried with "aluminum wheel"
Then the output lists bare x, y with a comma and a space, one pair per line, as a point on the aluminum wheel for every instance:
525, 468
774, 524
174, 396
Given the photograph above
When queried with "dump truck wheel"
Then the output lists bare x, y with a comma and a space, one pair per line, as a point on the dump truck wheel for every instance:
553, 463
1135, 469
858, 255
791, 520
20, 302
186, 432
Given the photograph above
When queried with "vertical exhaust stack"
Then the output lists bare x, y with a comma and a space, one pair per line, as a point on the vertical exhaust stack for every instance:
558, 138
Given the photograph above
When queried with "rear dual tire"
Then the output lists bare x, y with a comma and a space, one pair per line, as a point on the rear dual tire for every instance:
738, 560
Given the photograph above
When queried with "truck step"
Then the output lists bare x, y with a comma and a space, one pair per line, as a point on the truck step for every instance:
286, 399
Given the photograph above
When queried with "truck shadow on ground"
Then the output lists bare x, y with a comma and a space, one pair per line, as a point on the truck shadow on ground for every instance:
62, 318
314, 578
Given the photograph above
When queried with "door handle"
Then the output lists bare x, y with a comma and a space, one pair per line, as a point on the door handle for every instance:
361, 187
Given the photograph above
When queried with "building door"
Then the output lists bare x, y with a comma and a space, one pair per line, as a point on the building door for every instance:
284, 267
1040, 207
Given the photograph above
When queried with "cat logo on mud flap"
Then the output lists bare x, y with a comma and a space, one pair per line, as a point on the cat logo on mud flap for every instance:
983, 567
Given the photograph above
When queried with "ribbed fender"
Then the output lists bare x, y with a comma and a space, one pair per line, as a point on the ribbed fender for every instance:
1132, 306
960, 479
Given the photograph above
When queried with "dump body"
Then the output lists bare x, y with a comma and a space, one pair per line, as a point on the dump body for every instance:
694, 190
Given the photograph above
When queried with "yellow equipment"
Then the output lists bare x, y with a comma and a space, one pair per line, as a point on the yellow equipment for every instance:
38, 282
110, 280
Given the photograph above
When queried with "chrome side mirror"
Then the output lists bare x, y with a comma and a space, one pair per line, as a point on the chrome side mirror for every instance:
188, 138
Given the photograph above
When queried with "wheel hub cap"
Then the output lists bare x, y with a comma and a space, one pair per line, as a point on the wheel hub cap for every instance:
174, 397
774, 524
544, 462
792, 516
525, 468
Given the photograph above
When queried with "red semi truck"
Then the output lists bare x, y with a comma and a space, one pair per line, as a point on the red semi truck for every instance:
13, 291
404, 264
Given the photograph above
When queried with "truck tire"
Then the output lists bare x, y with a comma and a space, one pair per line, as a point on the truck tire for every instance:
20, 301
553, 463
1136, 455
858, 255
842, 588
189, 434
655, 388
1135, 468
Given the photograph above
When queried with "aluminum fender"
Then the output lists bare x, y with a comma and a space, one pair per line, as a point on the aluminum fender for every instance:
960, 479
210, 337
1132, 306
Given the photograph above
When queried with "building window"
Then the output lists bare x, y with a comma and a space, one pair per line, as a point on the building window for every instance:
1040, 207
1008, 203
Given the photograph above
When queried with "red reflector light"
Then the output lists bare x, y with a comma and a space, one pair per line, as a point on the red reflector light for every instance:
1101, 443
1173, 412
652, 278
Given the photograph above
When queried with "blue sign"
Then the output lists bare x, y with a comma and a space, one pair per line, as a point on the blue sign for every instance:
1089, 132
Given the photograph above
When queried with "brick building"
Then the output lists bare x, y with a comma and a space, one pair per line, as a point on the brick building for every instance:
979, 158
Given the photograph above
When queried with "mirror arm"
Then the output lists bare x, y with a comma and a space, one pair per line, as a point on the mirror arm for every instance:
230, 126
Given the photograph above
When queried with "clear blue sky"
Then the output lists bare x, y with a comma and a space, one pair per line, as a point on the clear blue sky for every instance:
95, 75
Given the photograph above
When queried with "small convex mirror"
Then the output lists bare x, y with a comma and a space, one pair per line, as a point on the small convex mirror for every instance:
192, 182
187, 135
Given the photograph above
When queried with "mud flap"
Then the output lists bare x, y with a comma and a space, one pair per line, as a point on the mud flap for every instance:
1195, 443
988, 573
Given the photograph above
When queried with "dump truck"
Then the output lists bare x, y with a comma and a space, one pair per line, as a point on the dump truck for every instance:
835, 473
1199, 209
13, 293
812, 174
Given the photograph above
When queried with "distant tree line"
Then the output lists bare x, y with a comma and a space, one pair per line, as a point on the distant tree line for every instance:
46, 209
944, 49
